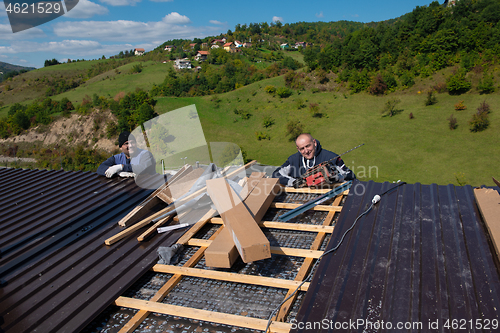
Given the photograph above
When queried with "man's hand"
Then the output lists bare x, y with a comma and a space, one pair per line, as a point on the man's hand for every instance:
113, 169
126, 174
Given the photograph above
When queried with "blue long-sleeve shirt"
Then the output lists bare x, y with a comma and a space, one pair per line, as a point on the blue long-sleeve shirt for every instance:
142, 162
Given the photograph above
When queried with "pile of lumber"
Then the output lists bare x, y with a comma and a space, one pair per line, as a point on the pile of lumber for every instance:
240, 211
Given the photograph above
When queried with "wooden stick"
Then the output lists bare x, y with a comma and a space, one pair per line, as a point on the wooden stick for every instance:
231, 277
204, 315
287, 251
285, 225
285, 205
153, 228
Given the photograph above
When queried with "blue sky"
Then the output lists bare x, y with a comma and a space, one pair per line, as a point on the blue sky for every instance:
94, 28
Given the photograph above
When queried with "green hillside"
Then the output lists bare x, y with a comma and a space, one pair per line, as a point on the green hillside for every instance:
434, 78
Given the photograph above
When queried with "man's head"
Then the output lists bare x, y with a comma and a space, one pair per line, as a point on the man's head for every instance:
127, 144
306, 145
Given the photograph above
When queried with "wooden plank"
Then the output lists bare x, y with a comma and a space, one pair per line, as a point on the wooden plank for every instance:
139, 317
285, 225
231, 277
488, 201
286, 251
204, 315
222, 253
248, 238
153, 228
130, 230
325, 208
151, 201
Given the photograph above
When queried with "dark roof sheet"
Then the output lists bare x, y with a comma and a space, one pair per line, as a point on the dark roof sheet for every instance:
56, 274
421, 256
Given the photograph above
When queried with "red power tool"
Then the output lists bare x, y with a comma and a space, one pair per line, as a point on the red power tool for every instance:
323, 173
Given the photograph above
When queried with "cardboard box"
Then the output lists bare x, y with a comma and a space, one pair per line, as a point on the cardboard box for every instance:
221, 253
244, 232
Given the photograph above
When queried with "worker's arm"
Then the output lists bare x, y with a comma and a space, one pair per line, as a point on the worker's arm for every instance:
284, 173
344, 171
101, 170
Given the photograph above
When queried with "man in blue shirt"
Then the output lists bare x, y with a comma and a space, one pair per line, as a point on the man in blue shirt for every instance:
130, 162
310, 153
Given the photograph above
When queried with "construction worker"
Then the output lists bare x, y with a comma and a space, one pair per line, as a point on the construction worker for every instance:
310, 153
130, 162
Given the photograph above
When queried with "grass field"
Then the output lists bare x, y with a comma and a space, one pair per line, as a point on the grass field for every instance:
422, 149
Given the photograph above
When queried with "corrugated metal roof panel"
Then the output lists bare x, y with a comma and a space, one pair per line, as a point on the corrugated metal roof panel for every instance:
420, 257
56, 273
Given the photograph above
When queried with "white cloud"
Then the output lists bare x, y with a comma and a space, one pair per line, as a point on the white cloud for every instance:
3, 13
121, 2
7, 34
86, 9
172, 26
80, 48
217, 22
277, 18
319, 15
176, 18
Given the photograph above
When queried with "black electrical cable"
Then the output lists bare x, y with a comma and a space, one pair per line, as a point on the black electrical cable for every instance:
374, 201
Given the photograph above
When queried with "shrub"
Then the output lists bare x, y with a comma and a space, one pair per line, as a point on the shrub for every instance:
390, 107
378, 85
407, 79
270, 89
300, 103
284, 92
293, 129
479, 122
137, 68
431, 98
484, 107
262, 136
314, 109
460, 106
457, 83
452, 122
486, 84
440, 87
268, 121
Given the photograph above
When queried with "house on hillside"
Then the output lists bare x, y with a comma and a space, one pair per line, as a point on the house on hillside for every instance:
230, 47
139, 51
192, 45
284, 46
247, 44
182, 64
201, 55
204, 46
300, 44
169, 48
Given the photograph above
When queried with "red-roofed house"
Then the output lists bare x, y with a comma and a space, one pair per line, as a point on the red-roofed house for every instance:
139, 51
201, 55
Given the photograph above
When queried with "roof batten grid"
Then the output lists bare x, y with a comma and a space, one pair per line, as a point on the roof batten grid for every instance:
318, 240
